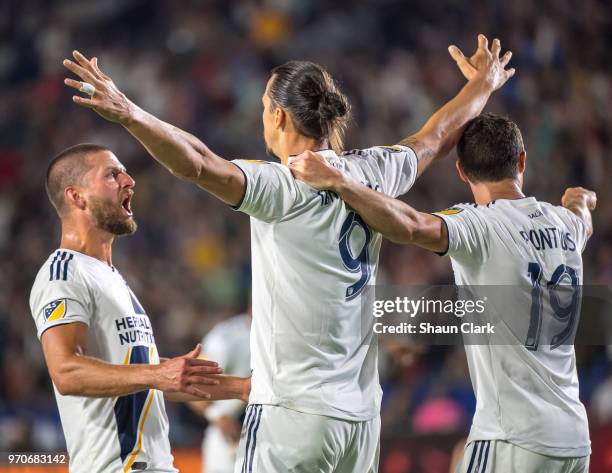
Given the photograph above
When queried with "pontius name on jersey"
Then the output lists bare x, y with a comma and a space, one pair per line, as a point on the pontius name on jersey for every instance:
312, 256
124, 433
527, 391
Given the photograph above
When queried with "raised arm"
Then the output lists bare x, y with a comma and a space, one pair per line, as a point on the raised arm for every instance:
486, 73
581, 202
181, 153
74, 373
396, 220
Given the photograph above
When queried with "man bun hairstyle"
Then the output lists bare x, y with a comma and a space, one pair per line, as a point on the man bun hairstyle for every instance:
67, 169
317, 107
489, 148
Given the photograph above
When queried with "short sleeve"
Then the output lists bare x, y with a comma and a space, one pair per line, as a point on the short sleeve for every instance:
398, 167
577, 228
59, 302
467, 233
270, 190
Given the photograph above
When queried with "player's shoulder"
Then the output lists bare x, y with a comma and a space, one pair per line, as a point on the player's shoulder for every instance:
456, 209
61, 273
61, 265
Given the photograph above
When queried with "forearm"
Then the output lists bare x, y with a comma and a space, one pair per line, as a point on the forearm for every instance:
229, 387
394, 219
443, 129
87, 376
180, 152
580, 209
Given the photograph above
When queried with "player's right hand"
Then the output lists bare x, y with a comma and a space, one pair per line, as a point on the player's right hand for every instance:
579, 196
107, 101
484, 63
186, 374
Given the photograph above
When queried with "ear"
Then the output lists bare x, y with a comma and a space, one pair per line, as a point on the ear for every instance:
73, 197
462, 175
280, 118
522, 162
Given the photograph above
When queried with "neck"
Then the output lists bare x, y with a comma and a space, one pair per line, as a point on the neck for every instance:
485, 192
87, 239
294, 144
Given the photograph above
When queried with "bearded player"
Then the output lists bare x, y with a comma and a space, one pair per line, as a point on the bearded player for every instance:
97, 338
315, 398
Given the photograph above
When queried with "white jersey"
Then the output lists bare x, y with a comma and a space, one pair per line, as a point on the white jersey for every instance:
312, 256
228, 344
526, 392
126, 433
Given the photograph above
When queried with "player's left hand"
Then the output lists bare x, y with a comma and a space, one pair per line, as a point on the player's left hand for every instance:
314, 170
484, 58
107, 100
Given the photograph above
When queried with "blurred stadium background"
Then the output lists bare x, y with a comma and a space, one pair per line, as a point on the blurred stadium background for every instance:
202, 65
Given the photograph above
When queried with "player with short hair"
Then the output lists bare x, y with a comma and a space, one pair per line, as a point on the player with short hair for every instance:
97, 338
529, 417
315, 397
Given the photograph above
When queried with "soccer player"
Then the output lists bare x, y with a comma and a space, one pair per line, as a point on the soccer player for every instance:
315, 397
97, 338
228, 344
529, 417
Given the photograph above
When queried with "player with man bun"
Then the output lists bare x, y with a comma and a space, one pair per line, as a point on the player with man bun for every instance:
315, 397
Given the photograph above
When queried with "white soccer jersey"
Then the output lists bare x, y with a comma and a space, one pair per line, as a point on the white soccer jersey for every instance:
228, 344
526, 392
311, 257
126, 433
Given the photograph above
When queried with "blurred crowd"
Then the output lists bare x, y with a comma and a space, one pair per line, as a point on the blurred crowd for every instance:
203, 65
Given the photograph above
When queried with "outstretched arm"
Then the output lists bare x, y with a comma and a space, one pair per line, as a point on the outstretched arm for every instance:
76, 374
581, 202
396, 220
181, 153
486, 73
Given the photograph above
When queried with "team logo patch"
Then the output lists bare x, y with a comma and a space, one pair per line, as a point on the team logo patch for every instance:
451, 211
55, 310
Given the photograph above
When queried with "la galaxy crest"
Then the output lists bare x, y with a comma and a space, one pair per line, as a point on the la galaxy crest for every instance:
55, 310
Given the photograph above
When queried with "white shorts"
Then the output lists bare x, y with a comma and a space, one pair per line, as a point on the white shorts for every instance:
498, 456
279, 440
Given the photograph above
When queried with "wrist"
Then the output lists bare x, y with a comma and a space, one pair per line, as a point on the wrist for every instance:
130, 115
339, 182
483, 81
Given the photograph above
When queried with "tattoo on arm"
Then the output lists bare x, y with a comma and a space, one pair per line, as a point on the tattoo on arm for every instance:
425, 155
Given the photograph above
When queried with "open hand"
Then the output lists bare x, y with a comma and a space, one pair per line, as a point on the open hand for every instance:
107, 101
484, 62
187, 374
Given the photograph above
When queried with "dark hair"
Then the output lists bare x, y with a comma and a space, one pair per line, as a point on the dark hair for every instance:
489, 148
67, 169
317, 107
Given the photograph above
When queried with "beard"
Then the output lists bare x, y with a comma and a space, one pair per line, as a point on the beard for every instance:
108, 217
